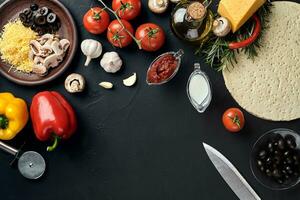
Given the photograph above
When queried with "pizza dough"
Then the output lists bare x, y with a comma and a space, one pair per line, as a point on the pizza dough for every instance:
269, 86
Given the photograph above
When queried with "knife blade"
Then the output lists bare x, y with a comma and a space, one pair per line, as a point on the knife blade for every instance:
231, 175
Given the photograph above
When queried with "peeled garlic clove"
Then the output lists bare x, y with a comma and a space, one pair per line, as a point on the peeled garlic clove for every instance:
130, 81
106, 85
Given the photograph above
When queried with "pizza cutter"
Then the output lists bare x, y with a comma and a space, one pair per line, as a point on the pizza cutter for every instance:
30, 164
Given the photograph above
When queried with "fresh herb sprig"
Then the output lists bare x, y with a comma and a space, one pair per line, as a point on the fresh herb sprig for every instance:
216, 52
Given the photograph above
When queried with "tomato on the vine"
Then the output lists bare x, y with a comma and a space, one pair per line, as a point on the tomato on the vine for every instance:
117, 35
152, 36
96, 20
127, 9
233, 119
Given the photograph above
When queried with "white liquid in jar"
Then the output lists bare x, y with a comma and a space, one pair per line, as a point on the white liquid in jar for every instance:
198, 88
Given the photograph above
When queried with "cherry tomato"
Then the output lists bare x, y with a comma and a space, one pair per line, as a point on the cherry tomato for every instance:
152, 36
117, 35
233, 119
96, 20
127, 9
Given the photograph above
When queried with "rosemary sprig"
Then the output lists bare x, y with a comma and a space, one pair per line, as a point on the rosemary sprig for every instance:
219, 56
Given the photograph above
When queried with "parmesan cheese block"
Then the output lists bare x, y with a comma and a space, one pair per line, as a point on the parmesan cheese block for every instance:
269, 86
238, 11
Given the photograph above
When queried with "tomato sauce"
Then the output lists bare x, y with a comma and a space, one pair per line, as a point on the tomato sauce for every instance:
162, 69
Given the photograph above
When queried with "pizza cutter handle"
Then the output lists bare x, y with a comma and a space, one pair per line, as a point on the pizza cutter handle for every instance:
8, 149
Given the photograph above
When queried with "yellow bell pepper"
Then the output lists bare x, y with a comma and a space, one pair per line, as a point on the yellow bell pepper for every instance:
13, 115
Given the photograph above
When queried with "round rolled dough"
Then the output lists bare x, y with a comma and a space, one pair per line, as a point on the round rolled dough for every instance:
269, 86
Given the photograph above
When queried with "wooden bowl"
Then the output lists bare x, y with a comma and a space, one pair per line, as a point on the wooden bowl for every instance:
10, 10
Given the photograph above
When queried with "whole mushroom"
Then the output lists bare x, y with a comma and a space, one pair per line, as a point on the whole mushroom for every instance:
75, 83
221, 26
111, 62
158, 6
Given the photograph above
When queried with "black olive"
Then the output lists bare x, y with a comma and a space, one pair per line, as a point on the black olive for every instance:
39, 19
296, 160
270, 147
269, 160
286, 176
276, 160
34, 7
22, 17
259, 163
26, 24
27, 11
43, 11
33, 27
296, 174
286, 153
281, 144
283, 171
51, 18
289, 170
262, 168
290, 141
280, 181
268, 172
54, 27
262, 154
276, 173
289, 160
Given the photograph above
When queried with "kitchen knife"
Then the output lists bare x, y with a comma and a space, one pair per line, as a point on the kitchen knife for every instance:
231, 175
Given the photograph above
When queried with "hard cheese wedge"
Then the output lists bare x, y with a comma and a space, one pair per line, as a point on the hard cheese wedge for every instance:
238, 11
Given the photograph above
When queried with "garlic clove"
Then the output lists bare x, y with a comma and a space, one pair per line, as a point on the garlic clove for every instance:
106, 85
130, 81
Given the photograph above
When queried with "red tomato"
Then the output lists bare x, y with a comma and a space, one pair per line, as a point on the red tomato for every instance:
152, 36
117, 35
233, 119
96, 20
127, 9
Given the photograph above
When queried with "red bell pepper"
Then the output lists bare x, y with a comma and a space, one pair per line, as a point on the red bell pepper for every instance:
52, 117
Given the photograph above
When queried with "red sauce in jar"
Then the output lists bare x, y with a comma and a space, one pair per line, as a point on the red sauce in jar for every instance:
162, 69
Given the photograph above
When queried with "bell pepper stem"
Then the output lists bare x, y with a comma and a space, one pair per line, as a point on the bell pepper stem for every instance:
54, 145
3, 122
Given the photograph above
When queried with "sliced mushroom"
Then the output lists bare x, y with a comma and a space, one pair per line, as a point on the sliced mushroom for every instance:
31, 55
39, 67
38, 60
57, 48
35, 47
65, 44
158, 6
45, 38
75, 83
52, 61
45, 51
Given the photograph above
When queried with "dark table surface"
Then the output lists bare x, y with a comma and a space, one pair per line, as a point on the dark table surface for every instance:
141, 142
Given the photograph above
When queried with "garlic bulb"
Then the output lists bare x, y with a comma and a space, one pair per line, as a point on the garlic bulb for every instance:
111, 62
91, 49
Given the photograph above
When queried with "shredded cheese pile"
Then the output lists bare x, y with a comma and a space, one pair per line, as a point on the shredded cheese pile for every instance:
14, 45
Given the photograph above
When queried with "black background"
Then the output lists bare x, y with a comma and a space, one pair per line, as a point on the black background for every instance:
141, 142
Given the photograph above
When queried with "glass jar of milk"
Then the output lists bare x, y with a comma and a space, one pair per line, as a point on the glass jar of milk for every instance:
199, 89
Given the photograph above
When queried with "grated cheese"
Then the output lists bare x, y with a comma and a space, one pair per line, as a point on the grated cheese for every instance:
14, 45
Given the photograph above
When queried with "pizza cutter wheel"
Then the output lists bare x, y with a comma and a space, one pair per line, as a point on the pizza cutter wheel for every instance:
30, 164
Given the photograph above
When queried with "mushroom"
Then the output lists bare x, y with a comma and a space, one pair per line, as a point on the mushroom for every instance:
64, 44
38, 66
221, 26
158, 6
45, 38
57, 48
52, 61
75, 83
45, 51
35, 47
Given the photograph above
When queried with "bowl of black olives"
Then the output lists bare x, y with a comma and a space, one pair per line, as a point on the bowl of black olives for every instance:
275, 159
